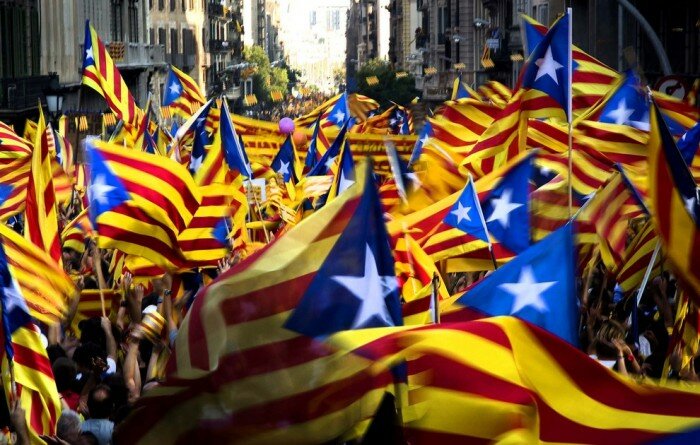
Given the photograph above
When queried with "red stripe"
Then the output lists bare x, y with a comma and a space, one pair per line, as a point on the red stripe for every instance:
593, 78
600, 384
35, 412
32, 359
455, 376
116, 83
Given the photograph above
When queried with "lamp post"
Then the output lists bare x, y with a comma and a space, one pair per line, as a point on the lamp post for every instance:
54, 103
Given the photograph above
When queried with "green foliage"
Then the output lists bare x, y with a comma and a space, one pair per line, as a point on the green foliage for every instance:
389, 89
267, 78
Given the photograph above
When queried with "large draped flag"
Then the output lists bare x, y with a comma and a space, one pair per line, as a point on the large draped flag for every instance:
241, 369
538, 286
140, 202
524, 384
182, 93
101, 74
35, 386
45, 286
41, 211
674, 203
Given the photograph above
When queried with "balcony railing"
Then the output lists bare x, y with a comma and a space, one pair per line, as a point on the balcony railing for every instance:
221, 46
437, 86
134, 55
22, 93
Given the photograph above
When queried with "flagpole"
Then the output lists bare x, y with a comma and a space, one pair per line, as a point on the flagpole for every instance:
647, 273
435, 315
97, 260
257, 206
483, 223
569, 106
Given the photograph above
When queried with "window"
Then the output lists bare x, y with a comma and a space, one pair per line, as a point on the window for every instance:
312, 18
116, 29
174, 41
172, 5
161, 38
152, 36
133, 21
540, 11
335, 20
443, 22
161, 5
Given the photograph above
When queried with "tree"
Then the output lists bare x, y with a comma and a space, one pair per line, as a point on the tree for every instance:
389, 89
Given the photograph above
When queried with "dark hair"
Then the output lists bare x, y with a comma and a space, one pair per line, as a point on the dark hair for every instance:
84, 354
64, 372
55, 352
99, 402
88, 438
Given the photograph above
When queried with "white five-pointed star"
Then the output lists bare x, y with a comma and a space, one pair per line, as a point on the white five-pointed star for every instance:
502, 208
99, 190
284, 168
12, 297
174, 88
621, 114
461, 212
196, 162
89, 54
424, 140
370, 289
330, 161
339, 116
344, 183
548, 66
527, 291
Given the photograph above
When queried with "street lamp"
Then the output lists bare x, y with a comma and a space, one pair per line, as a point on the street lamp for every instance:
54, 99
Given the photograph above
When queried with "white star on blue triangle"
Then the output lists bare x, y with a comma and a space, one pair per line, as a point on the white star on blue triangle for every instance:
538, 286
355, 287
105, 191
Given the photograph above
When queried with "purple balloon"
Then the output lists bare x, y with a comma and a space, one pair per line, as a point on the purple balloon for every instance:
286, 125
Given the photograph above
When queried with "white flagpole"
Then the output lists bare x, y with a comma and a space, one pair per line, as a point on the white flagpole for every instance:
569, 104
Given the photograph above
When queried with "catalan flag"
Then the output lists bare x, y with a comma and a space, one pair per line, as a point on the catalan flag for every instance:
292, 286
182, 93
35, 385
41, 212
12, 146
101, 74
460, 90
139, 202
637, 258
610, 210
527, 386
76, 232
13, 186
674, 204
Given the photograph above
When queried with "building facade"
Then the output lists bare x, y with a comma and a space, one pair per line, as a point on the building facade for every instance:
312, 34
368, 35
21, 78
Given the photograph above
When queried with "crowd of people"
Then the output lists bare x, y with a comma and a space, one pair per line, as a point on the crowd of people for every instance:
105, 365
291, 107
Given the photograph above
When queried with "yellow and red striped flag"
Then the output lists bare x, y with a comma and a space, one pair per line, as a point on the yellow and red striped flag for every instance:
674, 204
610, 210
41, 212
527, 385
77, 231
12, 146
237, 334
637, 258
26, 369
182, 93
101, 74
685, 338
45, 286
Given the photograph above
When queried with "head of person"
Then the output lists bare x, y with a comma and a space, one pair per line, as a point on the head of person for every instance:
99, 403
68, 426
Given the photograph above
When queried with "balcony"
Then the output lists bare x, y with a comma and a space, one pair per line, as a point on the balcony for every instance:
22, 93
438, 86
221, 46
127, 55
